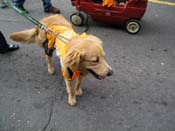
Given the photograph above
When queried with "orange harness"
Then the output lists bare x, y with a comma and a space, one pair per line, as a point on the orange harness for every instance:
61, 47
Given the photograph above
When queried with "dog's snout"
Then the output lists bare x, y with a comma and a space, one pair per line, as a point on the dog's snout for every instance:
110, 73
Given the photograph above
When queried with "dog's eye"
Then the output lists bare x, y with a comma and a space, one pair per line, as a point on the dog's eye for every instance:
96, 60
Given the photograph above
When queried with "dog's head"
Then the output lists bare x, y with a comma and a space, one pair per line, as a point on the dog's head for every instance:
87, 56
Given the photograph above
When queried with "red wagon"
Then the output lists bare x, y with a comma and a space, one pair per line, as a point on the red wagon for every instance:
128, 13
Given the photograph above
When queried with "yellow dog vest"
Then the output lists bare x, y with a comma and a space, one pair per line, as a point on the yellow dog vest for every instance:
61, 47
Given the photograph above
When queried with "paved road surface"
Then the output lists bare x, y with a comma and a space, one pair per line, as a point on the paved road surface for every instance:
140, 96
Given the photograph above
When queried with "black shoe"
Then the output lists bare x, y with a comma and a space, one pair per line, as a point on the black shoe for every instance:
23, 9
53, 10
8, 49
2, 5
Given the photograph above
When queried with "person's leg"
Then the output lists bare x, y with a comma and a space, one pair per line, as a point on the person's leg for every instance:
20, 4
4, 47
49, 8
47, 4
3, 42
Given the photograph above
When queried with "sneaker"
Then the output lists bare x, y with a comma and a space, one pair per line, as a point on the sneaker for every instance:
2, 5
53, 10
9, 48
23, 9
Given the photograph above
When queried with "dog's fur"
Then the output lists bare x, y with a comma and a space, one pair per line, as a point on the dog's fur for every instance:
84, 54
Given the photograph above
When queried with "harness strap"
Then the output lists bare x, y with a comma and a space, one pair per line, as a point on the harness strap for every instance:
48, 51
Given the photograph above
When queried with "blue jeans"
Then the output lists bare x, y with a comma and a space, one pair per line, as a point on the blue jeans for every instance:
18, 2
46, 3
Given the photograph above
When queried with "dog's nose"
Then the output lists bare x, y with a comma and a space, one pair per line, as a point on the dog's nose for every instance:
110, 73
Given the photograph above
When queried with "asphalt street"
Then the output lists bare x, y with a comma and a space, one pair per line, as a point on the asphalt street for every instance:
140, 96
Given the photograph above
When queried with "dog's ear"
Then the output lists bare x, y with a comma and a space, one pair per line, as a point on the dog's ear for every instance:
26, 36
73, 59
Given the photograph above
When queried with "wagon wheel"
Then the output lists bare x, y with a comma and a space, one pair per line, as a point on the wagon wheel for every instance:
132, 26
77, 19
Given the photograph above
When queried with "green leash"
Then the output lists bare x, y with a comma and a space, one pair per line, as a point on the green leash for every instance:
34, 21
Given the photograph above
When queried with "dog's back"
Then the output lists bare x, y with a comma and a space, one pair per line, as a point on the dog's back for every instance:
36, 35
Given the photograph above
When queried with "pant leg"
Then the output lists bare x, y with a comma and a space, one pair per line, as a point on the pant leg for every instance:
3, 42
18, 2
47, 4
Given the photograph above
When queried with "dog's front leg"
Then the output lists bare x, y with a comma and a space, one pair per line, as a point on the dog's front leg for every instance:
71, 93
78, 90
51, 69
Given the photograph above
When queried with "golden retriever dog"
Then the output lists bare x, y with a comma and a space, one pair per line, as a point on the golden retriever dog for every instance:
80, 54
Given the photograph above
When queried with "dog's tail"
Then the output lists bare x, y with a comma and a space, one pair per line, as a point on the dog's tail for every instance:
26, 36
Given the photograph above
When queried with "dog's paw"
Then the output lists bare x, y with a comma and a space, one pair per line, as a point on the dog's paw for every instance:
51, 70
72, 101
79, 92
